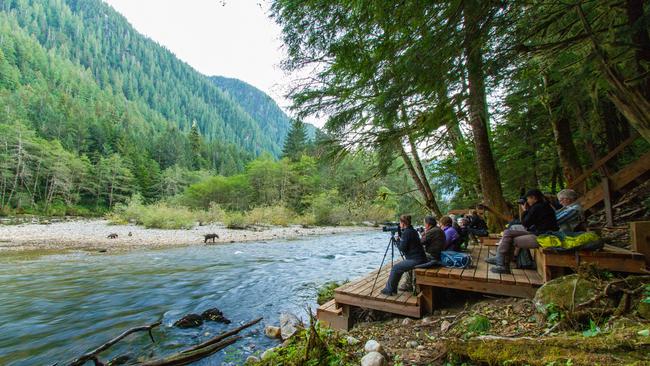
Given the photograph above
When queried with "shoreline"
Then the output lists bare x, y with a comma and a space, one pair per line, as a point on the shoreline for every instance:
92, 235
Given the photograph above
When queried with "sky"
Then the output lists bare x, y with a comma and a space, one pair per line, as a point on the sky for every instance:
232, 38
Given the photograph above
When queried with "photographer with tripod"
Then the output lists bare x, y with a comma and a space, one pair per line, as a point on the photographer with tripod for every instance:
411, 248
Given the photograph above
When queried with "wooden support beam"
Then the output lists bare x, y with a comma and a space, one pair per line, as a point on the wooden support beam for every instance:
617, 181
603, 161
607, 198
640, 239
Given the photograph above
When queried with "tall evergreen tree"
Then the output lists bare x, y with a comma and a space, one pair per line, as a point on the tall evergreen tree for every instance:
296, 142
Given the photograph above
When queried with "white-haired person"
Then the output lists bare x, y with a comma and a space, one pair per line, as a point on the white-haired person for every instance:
571, 216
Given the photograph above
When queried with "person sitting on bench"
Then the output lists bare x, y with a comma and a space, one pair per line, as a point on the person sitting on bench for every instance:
477, 225
570, 217
452, 238
538, 218
433, 238
410, 246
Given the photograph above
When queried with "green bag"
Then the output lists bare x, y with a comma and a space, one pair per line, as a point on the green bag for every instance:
564, 242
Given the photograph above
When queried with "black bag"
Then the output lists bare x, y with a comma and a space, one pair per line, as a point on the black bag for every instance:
525, 259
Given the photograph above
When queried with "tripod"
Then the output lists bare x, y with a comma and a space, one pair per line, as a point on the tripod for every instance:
391, 245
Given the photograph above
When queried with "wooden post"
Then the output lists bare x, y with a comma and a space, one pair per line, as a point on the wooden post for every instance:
607, 197
640, 239
427, 299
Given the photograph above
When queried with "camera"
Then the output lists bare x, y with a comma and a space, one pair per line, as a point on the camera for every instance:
420, 229
522, 200
393, 227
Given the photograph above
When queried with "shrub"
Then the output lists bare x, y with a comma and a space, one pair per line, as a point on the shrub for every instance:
273, 215
160, 215
235, 220
213, 214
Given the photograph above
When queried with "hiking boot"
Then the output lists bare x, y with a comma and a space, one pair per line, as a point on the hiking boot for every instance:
388, 292
501, 264
407, 287
492, 260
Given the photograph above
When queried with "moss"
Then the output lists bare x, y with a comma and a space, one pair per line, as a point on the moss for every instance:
311, 347
560, 292
620, 347
326, 291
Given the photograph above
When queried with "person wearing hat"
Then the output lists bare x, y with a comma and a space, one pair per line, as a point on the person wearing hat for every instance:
538, 218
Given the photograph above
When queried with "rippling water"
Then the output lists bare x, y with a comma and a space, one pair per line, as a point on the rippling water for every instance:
56, 307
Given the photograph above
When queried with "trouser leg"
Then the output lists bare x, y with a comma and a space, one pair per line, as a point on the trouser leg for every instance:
397, 271
507, 242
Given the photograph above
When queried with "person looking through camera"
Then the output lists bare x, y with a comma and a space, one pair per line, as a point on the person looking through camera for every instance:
409, 245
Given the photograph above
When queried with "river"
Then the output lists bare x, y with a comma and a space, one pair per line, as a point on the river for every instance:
56, 307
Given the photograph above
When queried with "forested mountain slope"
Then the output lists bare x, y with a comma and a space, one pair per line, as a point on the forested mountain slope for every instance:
92, 112
260, 106
94, 36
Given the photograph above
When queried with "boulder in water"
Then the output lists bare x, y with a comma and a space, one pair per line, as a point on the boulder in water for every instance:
189, 321
289, 325
215, 315
272, 332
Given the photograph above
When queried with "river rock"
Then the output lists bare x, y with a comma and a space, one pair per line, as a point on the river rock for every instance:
407, 321
215, 315
272, 332
560, 293
250, 360
421, 348
373, 359
444, 326
289, 324
427, 321
189, 321
411, 344
351, 340
373, 346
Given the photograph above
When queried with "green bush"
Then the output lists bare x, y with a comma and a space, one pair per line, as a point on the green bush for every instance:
159, 215
213, 214
273, 215
235, 220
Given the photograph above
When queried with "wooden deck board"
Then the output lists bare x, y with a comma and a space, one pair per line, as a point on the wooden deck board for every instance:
360, 293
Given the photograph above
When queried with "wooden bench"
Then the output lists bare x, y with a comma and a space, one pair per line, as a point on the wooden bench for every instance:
551, 264
478, 278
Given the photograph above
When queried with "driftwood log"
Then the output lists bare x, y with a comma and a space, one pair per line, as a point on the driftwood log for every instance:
184, 357
93, 355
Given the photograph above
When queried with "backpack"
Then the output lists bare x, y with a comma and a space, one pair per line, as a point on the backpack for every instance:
561, 242
525, 259
449, 258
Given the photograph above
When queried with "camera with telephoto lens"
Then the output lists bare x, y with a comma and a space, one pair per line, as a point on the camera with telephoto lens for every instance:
522, 200
393, 227
420, 229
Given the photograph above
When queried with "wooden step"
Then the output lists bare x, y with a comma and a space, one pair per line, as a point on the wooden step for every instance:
333, 315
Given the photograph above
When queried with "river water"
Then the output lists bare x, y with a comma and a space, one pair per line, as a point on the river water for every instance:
56, 307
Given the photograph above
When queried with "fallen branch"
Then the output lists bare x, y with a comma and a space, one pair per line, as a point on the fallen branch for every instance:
222, 336
93, 355
184, 358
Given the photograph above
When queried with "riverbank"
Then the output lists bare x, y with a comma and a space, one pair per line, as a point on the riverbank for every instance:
93, 235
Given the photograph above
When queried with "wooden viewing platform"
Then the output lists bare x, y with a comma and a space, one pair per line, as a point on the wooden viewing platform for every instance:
477, 278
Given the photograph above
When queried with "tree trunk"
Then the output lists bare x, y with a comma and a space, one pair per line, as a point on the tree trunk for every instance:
478, 118
566, 149
628, 99
641, 40
429, 200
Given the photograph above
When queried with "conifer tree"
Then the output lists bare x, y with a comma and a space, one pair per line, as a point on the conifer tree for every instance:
296, 142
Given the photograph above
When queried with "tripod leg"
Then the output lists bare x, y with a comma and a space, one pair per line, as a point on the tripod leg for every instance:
380, 266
